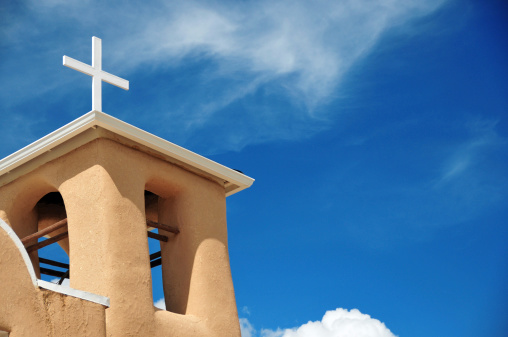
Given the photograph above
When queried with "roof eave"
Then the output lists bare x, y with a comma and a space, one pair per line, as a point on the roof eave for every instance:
96, 118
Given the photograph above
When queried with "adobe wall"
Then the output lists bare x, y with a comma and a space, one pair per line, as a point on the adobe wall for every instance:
102, 184
27, 310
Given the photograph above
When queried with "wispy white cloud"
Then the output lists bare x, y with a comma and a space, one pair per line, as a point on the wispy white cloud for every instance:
460, 180
305, 47
472, 179
339, 322
297, 50
464, 157
245, 310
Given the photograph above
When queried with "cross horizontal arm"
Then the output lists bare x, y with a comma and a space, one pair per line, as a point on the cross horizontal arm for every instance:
77, 65
115, 80
98, 75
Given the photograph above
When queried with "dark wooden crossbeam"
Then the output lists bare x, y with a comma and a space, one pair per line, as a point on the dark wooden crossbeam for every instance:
45, 231
155, 255
47, 242
64, 276
167, 228
53, 263
157, 236
63, 223
52, 272
155, 263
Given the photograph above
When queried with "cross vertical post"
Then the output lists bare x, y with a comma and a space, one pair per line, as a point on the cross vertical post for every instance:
98, 75
96, 80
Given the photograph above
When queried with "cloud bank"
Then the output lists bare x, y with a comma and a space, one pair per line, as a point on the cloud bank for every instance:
335, 323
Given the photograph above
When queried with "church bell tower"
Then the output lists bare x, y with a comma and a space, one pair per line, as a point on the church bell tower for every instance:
101, 188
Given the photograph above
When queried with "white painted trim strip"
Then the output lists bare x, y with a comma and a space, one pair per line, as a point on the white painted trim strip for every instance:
46, 143
84, 295
115, 125
14, 237
48, 285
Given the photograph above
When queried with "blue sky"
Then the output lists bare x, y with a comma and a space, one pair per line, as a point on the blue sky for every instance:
376, 131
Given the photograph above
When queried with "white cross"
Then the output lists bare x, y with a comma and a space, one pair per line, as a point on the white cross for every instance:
98, 75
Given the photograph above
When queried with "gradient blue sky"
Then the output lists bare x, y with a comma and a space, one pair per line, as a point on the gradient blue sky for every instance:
377, 133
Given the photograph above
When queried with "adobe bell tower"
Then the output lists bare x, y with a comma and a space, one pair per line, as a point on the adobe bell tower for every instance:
99, 187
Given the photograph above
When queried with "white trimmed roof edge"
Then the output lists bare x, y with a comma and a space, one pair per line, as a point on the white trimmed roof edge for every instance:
97, 118
84, 295
14, 237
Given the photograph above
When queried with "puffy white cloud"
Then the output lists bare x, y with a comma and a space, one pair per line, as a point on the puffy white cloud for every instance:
160, 303
247, 328
335, 323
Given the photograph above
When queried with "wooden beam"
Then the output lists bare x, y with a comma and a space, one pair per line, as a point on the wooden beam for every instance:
167, 228
155, 263
157, 236
155, 255
53, 263
64, 276
47, 242
52, 272
45, 231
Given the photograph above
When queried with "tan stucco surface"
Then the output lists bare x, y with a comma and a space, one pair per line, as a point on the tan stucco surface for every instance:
102, 184
27, 310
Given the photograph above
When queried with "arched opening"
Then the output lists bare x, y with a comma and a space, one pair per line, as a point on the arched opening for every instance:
53, 260
154, 247
155, 242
